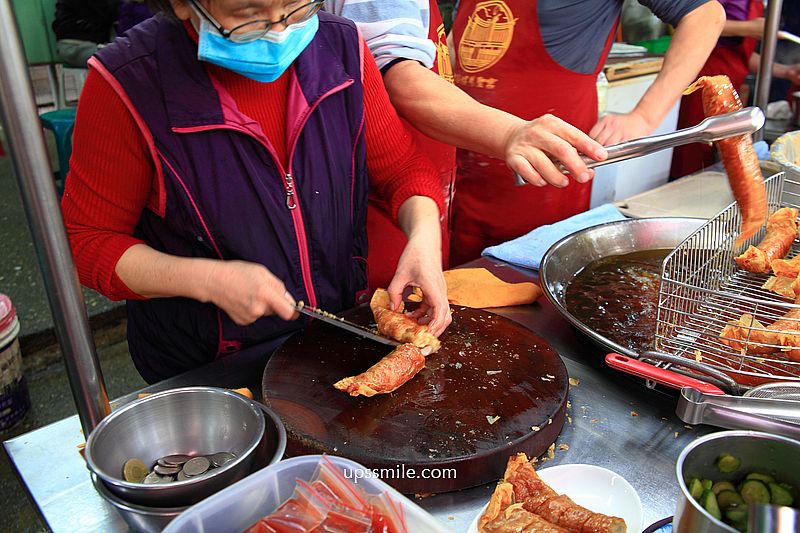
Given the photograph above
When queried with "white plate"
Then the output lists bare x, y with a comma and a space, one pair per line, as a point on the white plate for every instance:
596, 488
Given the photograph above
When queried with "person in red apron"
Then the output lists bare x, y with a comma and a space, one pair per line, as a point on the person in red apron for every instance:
734, 55
414, 60
531, 58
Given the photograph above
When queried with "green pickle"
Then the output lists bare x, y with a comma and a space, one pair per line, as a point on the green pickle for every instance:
719, 486
727, 463
754, 491
727, 501
780, 495
695, 488
758, 476
709, 502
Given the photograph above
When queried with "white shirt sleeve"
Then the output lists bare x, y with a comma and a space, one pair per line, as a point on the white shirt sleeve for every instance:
393, 29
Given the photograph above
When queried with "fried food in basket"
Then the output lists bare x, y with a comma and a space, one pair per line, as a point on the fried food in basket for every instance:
750, 336
781, 230
386, 375
787, 268
738, 155
523, 490
399, 326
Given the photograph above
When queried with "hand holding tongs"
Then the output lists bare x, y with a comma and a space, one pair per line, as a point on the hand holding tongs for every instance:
744, 121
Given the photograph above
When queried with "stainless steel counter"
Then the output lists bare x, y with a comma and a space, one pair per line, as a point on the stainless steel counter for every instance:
614, 422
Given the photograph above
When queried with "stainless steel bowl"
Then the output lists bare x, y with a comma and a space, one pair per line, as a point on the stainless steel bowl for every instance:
567, 257
192, 420
763, 452
138, 517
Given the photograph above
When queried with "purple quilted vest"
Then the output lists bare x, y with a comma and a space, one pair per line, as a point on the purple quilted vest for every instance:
221, 192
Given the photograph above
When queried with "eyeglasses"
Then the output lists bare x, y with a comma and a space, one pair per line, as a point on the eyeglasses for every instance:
256, 29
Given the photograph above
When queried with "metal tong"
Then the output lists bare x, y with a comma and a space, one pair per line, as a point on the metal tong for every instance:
734, 412
744, 121
701, 402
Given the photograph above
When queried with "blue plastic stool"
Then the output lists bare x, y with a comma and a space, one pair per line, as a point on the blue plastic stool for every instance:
61, 122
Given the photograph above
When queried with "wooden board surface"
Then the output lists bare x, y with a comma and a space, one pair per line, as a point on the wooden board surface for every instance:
488, 366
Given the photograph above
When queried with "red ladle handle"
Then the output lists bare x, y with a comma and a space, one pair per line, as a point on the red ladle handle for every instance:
659, 375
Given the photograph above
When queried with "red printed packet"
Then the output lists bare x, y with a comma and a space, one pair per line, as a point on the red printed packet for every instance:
331, 503
387, 516
303, 512
335, 482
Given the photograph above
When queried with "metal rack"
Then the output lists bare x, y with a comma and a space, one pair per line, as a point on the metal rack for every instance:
702, 290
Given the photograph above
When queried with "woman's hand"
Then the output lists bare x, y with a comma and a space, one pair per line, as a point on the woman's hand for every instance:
247, 292
532, 146
420, 266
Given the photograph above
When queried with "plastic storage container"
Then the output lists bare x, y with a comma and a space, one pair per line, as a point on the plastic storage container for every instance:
239, 506
14, 397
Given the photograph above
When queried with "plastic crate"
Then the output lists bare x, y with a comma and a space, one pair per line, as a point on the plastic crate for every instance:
239, 506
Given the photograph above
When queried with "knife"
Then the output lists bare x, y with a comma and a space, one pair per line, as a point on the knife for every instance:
340, 322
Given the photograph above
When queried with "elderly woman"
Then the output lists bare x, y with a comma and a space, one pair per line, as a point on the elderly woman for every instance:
223, 152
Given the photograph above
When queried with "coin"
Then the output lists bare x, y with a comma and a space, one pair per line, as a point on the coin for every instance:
221, 458
166, 470
182, 476
173, 460
152, 479
134, 471
196, 466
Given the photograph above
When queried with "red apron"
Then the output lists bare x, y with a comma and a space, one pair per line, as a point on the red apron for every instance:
386, 240
731, 61
502, 62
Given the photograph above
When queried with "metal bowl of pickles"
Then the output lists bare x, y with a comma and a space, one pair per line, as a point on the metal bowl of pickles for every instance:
176, 447
724, 476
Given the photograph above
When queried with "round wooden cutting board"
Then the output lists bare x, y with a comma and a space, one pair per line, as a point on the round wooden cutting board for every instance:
494, 389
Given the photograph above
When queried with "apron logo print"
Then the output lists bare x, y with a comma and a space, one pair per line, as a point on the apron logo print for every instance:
443, 55
487, 36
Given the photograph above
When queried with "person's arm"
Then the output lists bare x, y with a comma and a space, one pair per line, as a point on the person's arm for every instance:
410, 184
420, 263
110, 179
779, 70
753, 28
443, 111
397, 35
393, 30
694, 38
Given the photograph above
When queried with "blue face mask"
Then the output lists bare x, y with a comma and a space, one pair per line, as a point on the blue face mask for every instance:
264, 59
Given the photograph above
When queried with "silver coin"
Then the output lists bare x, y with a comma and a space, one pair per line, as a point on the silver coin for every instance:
166, 480
196, 466
174, 460
152, 479
166, 470
182, 476
221, 458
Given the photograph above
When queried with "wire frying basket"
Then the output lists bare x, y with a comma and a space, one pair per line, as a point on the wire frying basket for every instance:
703, 291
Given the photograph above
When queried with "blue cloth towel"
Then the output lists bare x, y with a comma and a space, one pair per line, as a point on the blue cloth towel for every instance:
527, 251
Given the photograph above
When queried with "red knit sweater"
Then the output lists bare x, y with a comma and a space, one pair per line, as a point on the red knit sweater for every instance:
112, 175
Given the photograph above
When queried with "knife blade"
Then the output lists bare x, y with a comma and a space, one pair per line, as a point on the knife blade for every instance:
340, 322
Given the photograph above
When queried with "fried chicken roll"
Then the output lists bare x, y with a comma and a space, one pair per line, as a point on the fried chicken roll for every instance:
781, 230
750, 336
386, 375
537, 498
401, 327
738, 155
